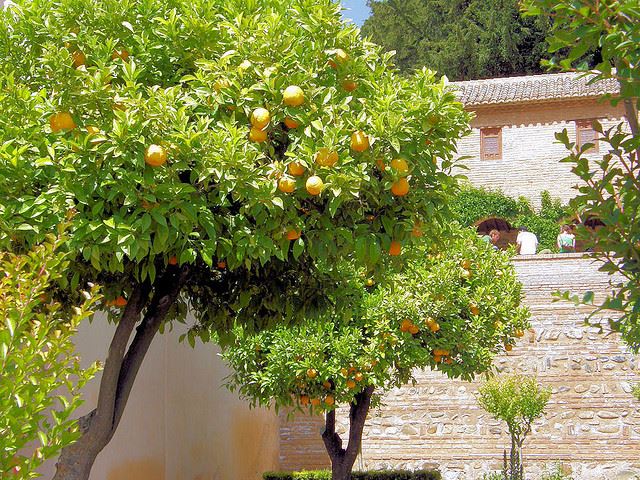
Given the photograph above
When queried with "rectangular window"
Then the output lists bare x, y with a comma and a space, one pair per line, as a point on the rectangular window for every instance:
490, 143
586, 134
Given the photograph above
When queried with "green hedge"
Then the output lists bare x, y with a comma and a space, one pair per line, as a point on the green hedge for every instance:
370, 475
473, 204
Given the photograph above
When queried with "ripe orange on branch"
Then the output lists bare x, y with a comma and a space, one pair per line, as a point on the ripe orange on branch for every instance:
78, 59
287, 185
257, 135
293, 96
359, 141
400, 165
400, 188
155, 155
395, 248
326, 157
293, 234
314, 185
61, 121
296, 169
120, 53
291, 123
260, 118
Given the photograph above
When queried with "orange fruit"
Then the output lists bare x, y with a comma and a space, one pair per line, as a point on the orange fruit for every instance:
312, 373
370, 282
295, 169
437, 358
405, 325
416, 231
474, 309
344, 372
257, 135
508, 347
381, 165
155, 155
351, 384
349, 85
293, 234
120, 301
222, 264
441, 352
359, 141
78, 58
291, 123
519, 333
260, 118
400, 165
358, 376
314, 185
122, 53
326, 157
413, 329
340, 57
293, 96
329, 400
287, 185
327, 384
434, 327
173, 260
304, 400
465, 274
400, 188
61, 121
448, 360
315, 402
395, 248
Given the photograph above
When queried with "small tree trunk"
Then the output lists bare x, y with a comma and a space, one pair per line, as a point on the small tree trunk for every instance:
342, 459
120, 370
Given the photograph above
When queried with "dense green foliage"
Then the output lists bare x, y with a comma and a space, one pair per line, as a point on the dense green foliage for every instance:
369, 475
40, 376
462, 299
609, 186
472, 204
189, 83
134, 121
517, 400
461, 39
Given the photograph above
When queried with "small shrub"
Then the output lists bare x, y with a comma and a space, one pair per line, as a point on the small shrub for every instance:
493, 476
555, 473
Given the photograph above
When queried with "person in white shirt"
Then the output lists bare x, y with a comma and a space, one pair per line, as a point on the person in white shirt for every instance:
527, 242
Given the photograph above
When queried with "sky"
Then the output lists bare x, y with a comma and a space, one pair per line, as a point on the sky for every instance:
357, 10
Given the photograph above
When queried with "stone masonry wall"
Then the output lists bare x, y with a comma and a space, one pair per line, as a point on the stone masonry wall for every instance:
592, 424
530, 157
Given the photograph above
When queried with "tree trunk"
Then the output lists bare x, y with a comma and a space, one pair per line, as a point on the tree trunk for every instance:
120, 370
342, 459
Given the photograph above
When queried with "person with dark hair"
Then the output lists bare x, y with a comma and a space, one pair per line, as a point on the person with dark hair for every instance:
527, 242
566, 241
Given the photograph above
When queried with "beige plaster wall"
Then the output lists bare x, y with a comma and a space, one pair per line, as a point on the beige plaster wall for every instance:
180, 423
530, 157
592, 423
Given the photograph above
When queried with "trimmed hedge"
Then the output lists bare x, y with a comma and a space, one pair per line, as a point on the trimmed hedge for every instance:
370, 475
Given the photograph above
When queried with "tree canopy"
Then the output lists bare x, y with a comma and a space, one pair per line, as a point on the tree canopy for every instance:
461, 39
455, 306
224, 155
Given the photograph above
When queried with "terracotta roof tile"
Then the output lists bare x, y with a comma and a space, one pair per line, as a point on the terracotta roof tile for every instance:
532, 88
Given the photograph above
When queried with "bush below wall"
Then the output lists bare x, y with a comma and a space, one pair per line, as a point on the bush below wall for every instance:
371, 475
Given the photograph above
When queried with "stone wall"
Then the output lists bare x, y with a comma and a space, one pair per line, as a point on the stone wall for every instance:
530, 156
592, 424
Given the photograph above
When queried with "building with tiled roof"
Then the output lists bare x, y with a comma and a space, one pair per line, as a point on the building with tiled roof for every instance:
533, 88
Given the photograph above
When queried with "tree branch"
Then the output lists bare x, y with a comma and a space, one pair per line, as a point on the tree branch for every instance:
166, 292
332, 441
357, 417
100, 421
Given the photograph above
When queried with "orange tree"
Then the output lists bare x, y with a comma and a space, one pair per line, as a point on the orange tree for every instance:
451, 309
210, 154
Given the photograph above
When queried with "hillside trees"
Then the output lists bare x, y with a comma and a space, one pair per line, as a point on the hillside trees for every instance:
609, 187
452, 309
219, 155
461, 39
40, 375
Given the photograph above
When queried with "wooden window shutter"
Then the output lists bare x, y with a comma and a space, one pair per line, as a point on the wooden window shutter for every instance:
586, 134
490, 143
